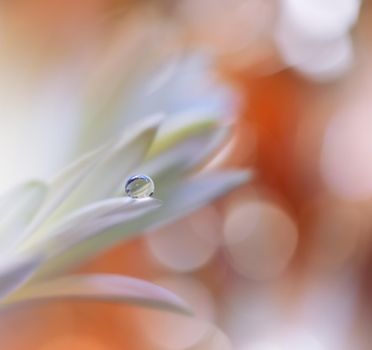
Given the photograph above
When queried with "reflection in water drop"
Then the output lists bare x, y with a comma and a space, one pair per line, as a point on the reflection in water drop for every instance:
139, 186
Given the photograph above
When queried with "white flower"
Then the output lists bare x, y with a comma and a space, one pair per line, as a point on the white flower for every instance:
48, 227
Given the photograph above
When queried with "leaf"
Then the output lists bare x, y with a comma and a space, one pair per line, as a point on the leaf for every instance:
16, 272
183, 199
112, 288
18, 207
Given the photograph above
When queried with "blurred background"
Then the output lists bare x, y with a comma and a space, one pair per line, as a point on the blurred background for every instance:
282, 263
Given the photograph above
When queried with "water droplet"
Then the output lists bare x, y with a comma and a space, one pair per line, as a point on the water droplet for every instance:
139, 186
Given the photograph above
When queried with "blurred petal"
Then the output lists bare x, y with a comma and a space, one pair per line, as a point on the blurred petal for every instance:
15, 273
197, 192
185, 198
96, 218
195, 86
121, 159
171, 331
179, 128
183, 149
18, 207
104, 209
215, 339
64, 184
112, 288
120, 94
321, 18
102, 170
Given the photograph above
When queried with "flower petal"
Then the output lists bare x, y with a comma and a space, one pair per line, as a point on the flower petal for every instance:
84, 225
215, 339
94, 219
121, 159
114, 288
184, 154
181, 147
15, 273
63, 185
183, 199
98, 175
18, 207
195, 193
179, 128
